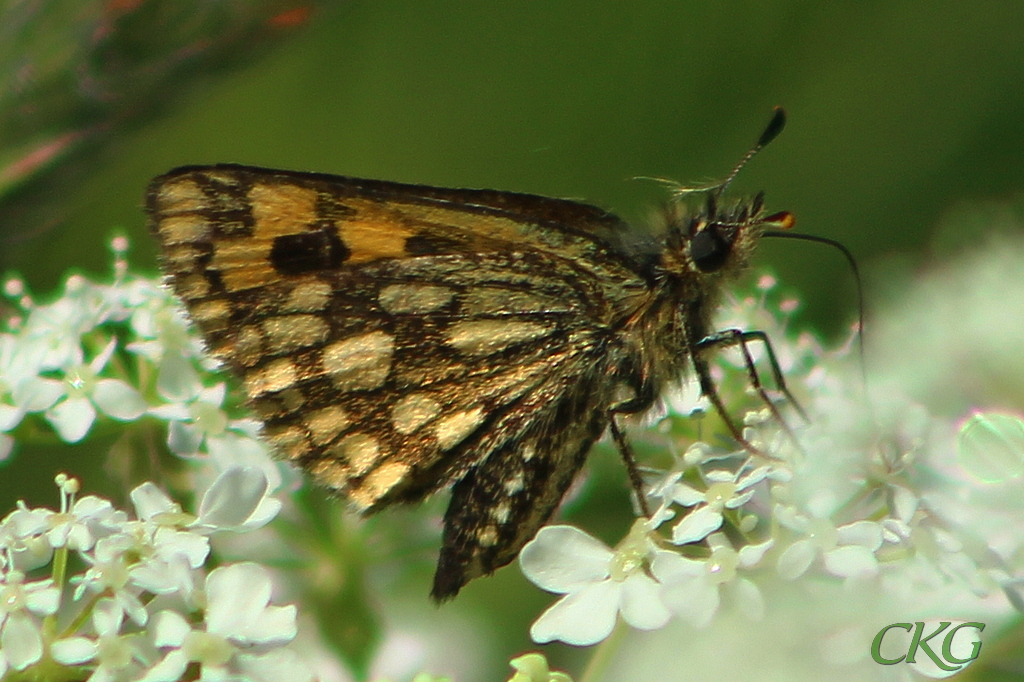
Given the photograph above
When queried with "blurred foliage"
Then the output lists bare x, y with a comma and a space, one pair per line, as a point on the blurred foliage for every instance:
74, 76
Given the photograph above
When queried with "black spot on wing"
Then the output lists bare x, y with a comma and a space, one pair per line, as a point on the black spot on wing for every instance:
321, 249
431, 244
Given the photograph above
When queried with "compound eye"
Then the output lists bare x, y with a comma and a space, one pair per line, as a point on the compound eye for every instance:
708, 249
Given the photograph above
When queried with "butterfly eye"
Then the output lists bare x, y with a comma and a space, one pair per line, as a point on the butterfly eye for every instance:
709, 249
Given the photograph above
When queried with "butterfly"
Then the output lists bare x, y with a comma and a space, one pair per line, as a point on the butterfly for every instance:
398, 339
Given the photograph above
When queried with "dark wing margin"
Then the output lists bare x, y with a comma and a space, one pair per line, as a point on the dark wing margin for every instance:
500, 504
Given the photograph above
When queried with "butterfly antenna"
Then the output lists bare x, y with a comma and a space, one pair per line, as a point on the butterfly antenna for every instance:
771, 131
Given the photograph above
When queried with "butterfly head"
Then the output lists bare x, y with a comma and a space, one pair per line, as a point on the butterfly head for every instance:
718, 238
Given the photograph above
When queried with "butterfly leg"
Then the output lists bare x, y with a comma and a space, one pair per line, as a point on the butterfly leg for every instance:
737, 337
631, 468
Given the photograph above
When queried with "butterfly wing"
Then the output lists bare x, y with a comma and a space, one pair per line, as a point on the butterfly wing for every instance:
395, 339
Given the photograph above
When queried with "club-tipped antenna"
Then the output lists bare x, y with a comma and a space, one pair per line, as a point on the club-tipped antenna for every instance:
856, 276
772, 131
775, 126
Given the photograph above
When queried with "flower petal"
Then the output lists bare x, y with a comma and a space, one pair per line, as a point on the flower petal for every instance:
118, 400
232, 498
168, 628
693, 600
582, 618
72, 419
669, 567
751, 555
753, 478
749, 600
641, 603
237, 599
73, 650
36, 394
686, 495
177, 380
564, 559
850, 561
21, 641
797, 558
696, 525
864, 533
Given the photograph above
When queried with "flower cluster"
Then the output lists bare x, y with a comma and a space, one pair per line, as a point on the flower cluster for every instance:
144, 606
846, 497
117, 351
871, 496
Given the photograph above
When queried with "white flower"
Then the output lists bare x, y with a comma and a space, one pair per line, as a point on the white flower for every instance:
691, 587
598, 584
161, 325
238, 499
197, 421
109, 573
725, 490
241, 631
847, 551
79, 523
84, 392
21, 603
193, 414
117, 655
22, 536
57, 329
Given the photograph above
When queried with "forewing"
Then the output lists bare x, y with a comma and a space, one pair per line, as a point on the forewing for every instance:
395, 337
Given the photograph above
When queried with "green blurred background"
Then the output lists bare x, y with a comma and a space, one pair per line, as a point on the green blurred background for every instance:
900, 114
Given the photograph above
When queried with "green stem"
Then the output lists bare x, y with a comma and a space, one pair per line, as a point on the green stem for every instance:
60, 568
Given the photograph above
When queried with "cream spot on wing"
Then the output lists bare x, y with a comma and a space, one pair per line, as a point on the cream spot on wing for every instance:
359, 451
452, 430
485, 300
361, 362
181, 229
487, 536
276, 376
379, 482
192, 286
514, 485
413, 298
209, 311
181, 195
308, 297
331, 473
413, 411
281, 209
324, 425
249, 345
181, 257
287, 333
289, 441
502, 512
528, 452
483, 337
